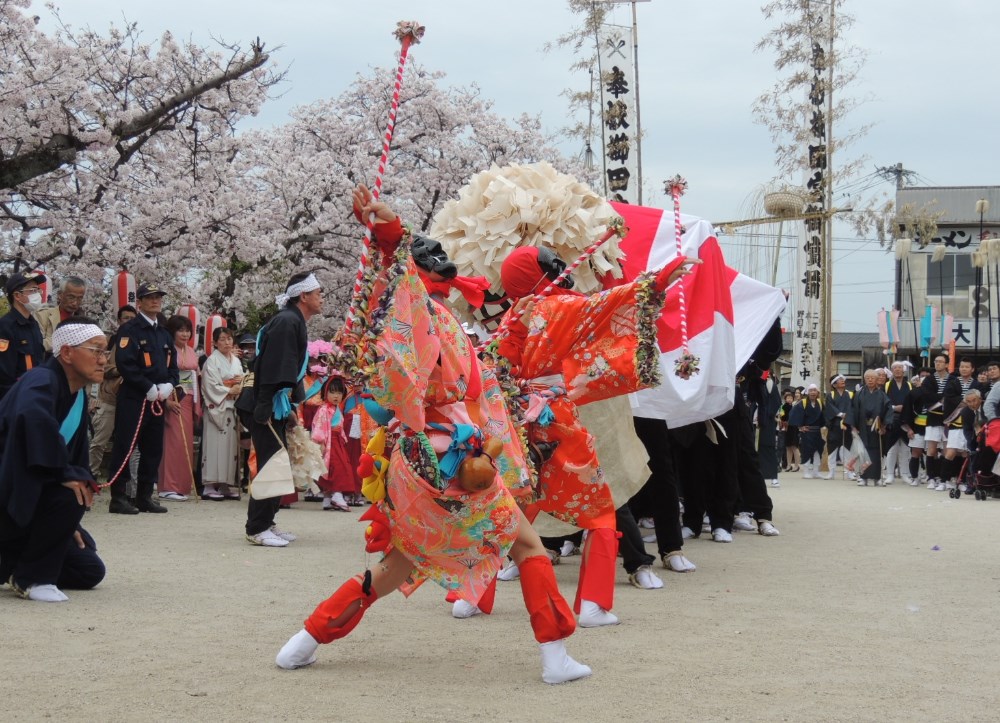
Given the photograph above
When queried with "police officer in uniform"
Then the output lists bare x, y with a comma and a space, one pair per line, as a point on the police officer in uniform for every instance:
144, 354
21, 344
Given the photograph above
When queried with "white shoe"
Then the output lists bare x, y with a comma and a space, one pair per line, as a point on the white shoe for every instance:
862, 482
676, 562
888, 480
743, 522
558, 667
720, 535
646, 523
687, 533
266, 539
706, 526
41, 593
567, 549
775, 482
649, 538
298, 652
286, 536
511, 572
767, 529
462, 609
882, 483
932, 484
940, 487
825, 475
645, 579
950, 485
593, 615
175, 496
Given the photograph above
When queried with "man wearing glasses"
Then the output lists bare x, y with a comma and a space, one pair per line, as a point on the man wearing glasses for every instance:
71, 293
45, 479
21, 346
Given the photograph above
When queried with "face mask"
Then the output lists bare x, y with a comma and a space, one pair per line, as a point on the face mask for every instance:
34, 302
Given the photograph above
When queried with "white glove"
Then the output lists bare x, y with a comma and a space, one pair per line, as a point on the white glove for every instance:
153, 394
166, 389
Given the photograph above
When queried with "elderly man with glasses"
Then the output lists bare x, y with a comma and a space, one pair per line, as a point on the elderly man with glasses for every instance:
45, 479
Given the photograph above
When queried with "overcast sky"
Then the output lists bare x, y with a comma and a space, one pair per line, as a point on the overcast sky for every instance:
930, 79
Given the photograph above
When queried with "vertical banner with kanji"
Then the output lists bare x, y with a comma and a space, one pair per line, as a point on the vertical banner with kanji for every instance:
807, 330
620, 131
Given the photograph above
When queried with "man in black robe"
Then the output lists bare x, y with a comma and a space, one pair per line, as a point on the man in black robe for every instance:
869, 416
45, 479
279, 367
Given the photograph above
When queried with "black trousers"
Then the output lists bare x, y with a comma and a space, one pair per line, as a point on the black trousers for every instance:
149, 444
660, 496
631, 546
35, 554
767, 452
82, 568
261, 513
752, 485
709, 478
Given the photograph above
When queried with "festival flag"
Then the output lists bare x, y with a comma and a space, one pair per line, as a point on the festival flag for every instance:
728, 315
929, 329
888, 329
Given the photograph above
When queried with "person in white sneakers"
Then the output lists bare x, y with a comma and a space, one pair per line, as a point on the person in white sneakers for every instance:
953, 403
936, 434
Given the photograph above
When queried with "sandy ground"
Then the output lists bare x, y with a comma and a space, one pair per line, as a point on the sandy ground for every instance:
873, 604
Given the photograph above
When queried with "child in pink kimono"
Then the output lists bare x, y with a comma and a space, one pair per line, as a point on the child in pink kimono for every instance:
328, 431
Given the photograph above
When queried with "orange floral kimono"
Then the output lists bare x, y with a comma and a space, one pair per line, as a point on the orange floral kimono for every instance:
429, 376
580, 349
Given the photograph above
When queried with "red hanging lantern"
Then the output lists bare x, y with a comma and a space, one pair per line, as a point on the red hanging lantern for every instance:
43, 287
213, 322
191, 313
123, 290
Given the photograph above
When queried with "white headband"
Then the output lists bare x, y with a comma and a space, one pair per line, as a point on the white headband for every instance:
811, 387
73, 335
307, 284
838, 378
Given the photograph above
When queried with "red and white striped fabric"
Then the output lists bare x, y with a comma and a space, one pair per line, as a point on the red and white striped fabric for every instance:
728, 315
194, 316
123, 291
212, 323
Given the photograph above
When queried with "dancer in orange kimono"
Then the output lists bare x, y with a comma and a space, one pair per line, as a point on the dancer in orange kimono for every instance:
451, 409
566, 350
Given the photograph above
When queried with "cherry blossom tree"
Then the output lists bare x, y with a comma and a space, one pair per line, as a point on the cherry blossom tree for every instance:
302, 174
115, 152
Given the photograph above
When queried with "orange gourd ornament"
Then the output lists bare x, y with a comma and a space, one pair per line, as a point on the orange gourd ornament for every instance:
476, 473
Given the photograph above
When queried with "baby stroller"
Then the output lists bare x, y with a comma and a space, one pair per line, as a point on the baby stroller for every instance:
979, 470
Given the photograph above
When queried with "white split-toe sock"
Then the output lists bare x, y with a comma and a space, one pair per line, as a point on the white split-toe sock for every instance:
676, 562
687, 533
462, 609
593, 615
511, 572
44, 593
767, 529
558, 667
645, 579
298, 652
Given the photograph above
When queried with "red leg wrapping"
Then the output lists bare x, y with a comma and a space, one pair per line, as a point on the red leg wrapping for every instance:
551, 618
340, 613
486, 601
597, 569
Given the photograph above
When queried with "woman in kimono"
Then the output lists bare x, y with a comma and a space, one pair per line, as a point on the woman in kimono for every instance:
221, 384
869, 415
448, 405
176, 478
